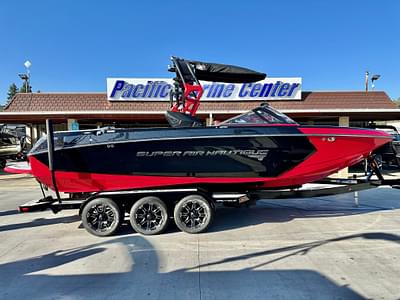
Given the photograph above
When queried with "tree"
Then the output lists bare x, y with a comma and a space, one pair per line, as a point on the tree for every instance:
12, 90
397, 102
23, 89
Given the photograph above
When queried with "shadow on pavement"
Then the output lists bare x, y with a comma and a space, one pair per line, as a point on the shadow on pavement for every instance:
9, 212
145, 280
303, 249
233, 218
39, 222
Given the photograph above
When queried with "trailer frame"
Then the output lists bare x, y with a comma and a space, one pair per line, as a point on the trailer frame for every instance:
208, 199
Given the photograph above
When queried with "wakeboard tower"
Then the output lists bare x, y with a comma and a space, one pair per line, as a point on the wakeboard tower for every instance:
187, 91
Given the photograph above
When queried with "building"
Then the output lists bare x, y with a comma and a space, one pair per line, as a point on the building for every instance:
92, 110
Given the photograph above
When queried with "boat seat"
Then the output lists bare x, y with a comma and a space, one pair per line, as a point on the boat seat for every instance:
178, 119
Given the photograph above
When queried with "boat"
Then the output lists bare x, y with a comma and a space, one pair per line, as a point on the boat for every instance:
182, 172
260, 149
10, 147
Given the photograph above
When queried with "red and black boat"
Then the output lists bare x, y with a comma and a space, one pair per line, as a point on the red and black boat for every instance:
259, 150
262, 148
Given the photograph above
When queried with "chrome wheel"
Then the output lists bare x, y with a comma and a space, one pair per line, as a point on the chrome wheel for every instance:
101, 217
149, 216
193, 214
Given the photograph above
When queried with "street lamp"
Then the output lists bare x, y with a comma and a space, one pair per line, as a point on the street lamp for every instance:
374, 78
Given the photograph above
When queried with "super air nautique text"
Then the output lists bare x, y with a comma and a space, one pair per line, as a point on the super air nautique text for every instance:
257, 154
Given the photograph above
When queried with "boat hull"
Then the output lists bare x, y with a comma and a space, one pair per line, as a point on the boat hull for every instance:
258, 158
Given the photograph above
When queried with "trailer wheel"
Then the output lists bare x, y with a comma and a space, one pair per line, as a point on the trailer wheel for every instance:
101, 217
193, 214
149, 216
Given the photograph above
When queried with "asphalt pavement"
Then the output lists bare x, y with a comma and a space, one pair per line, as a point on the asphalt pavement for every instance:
324, 248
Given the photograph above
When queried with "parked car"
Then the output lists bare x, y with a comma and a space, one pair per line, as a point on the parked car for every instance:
389, 153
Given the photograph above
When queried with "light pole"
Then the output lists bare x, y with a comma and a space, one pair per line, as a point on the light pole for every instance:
27, 76
27, 65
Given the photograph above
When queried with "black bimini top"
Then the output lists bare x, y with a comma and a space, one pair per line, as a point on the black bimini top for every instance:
190, 70
225, 73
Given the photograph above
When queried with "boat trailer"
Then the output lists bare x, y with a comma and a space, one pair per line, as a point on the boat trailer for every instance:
192, 208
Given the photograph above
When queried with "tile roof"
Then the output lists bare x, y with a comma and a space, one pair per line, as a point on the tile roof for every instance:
81, 102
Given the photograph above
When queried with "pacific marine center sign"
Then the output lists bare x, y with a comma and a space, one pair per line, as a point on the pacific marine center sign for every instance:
157, 89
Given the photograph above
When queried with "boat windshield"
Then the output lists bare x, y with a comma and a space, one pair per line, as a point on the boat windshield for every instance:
67, 139
261, 115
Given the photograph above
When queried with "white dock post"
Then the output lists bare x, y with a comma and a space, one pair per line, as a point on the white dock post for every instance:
356, 199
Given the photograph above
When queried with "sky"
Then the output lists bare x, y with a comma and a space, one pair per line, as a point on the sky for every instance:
74, 45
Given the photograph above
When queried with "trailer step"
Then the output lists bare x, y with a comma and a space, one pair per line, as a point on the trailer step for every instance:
230, 197
49, 203
36, 205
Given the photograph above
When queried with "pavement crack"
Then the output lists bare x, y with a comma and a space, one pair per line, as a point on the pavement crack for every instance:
9, 250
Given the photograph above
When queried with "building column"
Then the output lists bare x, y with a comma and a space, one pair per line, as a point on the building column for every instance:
41, 131
210, 120
72, 124
34, 134
28, 133
344, 122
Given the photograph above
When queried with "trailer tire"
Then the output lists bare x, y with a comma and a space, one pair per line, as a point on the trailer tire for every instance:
193, 214
101, 217
149, 216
